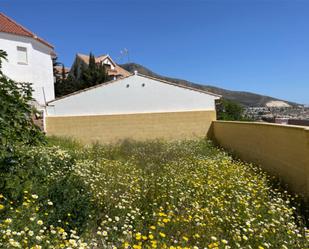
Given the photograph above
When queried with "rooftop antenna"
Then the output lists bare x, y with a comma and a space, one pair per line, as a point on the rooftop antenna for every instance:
125, 53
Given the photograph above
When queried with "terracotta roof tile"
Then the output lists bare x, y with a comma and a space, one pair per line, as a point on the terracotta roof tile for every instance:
7, 25
112, 72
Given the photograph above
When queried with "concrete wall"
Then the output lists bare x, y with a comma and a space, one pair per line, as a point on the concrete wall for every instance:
112, 128
38, 70
134, 94
281, 150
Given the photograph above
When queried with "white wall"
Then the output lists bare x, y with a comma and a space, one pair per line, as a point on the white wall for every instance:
38, 71
108, 62
117, 98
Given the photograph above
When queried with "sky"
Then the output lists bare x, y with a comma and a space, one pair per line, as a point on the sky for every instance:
260, 46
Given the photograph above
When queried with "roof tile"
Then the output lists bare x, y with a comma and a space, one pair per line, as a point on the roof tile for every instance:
7, 25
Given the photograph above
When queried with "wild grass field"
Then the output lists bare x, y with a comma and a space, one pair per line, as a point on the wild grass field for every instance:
142, 195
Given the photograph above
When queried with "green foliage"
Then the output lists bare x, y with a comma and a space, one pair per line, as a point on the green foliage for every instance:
16, 124
26, 226
48, 172
230, 110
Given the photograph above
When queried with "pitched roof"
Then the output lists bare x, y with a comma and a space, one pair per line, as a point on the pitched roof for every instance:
142, 75
7, 25
58, 69
112, 72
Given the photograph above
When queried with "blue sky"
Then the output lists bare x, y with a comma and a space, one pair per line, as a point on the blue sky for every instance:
258, 46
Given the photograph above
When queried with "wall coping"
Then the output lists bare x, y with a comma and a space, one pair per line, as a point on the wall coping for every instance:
264, 124
126, 114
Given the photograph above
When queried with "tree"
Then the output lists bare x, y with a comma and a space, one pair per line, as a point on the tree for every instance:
94, 74
230, 110
56, 64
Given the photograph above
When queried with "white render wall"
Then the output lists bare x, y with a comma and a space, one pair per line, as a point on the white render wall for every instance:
117, 98
38, 71
108, 62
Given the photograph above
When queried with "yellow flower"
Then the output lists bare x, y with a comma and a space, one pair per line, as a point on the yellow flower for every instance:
8, 221
138, 236
185, 238
1, 207
162, 235
165, 220
152, 227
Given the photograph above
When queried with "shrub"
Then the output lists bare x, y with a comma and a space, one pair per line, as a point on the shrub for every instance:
16, 125
25, 226
48, 172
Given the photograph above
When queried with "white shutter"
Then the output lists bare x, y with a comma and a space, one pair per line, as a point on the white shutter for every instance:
22, 57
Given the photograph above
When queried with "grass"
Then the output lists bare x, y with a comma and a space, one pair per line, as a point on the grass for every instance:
177, 195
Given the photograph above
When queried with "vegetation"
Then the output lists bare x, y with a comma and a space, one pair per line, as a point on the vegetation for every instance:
230, 110
16, 124
136, 195
80, 78
147, 195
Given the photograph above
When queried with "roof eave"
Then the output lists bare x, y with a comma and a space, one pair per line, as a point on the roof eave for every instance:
182, 86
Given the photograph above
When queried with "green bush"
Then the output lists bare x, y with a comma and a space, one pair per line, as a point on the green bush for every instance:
48, 172
16, 125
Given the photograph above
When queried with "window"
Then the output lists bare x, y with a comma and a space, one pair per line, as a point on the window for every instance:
22, 57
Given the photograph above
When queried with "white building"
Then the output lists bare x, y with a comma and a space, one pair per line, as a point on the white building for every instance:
132, 95
29, 59
135, 107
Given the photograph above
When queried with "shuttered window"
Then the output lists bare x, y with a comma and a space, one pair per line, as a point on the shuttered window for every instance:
22, 57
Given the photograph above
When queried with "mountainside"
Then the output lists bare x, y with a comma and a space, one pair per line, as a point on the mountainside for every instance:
244, 98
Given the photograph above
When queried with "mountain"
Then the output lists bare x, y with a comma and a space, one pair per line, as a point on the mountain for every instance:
247, 99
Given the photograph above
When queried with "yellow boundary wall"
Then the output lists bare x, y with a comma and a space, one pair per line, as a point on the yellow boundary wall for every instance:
144, 126
282, 150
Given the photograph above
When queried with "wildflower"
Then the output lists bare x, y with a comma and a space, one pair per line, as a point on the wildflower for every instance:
162, 235
8, 221
185, 238
138, 236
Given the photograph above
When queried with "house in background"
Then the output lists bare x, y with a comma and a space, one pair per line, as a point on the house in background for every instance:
61, 72
113, 70
29, 59
137, 107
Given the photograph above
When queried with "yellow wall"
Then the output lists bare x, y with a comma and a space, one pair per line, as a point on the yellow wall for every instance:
280, 149
112, 128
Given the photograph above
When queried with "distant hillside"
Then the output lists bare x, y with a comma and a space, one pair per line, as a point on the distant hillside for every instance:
244, 98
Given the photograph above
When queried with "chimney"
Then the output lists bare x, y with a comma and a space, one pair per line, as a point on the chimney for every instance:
135, 72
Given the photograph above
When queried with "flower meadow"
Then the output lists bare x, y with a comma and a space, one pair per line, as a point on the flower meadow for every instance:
151, 194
